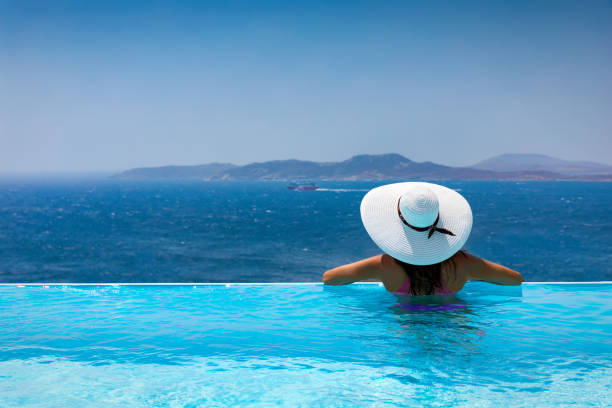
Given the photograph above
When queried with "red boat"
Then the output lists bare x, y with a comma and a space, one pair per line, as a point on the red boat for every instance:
302, 187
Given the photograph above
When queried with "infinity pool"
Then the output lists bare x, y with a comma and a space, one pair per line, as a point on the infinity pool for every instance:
304, 345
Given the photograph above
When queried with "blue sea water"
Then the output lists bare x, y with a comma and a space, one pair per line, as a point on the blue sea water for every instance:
292, 345
539, 345
96, 230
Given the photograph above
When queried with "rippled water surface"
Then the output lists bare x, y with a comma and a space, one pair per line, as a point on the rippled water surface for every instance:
304, 345
195, 231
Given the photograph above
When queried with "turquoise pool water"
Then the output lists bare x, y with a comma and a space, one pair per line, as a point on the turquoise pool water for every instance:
304, 345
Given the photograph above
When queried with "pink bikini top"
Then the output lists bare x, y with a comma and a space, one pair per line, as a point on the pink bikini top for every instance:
405, 289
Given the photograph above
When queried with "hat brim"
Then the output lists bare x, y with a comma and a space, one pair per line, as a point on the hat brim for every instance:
381, 221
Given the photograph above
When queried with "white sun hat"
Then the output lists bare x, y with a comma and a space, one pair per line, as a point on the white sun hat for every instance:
418, 223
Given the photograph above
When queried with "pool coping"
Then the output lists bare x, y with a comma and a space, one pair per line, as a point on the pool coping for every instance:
251, 283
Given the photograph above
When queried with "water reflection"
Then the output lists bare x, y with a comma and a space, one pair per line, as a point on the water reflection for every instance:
430, 303
438, 324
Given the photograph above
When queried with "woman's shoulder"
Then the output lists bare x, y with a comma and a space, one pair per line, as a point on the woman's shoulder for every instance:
393, 275
470, 267
453, 270
461, 261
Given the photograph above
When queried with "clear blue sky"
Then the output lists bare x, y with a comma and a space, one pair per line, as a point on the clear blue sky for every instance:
108, 85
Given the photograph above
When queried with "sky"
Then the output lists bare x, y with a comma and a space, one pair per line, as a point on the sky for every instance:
111, 85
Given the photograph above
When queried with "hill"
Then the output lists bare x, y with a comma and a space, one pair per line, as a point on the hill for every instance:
539, 162
360, 167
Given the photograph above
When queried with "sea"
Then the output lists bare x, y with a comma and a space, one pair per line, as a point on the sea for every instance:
100, 230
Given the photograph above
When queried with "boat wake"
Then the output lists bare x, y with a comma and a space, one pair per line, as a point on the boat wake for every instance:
343, 190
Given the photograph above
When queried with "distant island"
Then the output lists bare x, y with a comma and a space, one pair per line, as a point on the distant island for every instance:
385, 167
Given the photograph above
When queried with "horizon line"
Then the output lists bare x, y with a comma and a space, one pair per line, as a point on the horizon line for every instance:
93, 172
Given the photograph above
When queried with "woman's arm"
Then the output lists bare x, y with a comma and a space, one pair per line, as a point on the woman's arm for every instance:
369, 268
475, 268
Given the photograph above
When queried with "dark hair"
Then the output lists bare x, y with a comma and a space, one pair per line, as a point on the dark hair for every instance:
424, 279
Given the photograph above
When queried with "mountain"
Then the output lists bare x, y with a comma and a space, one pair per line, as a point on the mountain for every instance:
540, 162
356, 168
360, 167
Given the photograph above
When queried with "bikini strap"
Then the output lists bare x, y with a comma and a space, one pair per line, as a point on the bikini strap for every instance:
405, 287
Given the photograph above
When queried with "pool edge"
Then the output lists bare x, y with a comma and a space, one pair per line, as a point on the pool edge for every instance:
250, 283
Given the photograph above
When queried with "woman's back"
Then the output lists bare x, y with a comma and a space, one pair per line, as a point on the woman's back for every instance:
443, 278
453, 274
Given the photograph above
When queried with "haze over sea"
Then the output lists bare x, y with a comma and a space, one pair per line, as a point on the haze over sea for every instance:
101, 230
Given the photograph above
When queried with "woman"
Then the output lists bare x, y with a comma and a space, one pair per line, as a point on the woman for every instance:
421, 228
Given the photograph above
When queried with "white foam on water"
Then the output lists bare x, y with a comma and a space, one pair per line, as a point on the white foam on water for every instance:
342, 190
